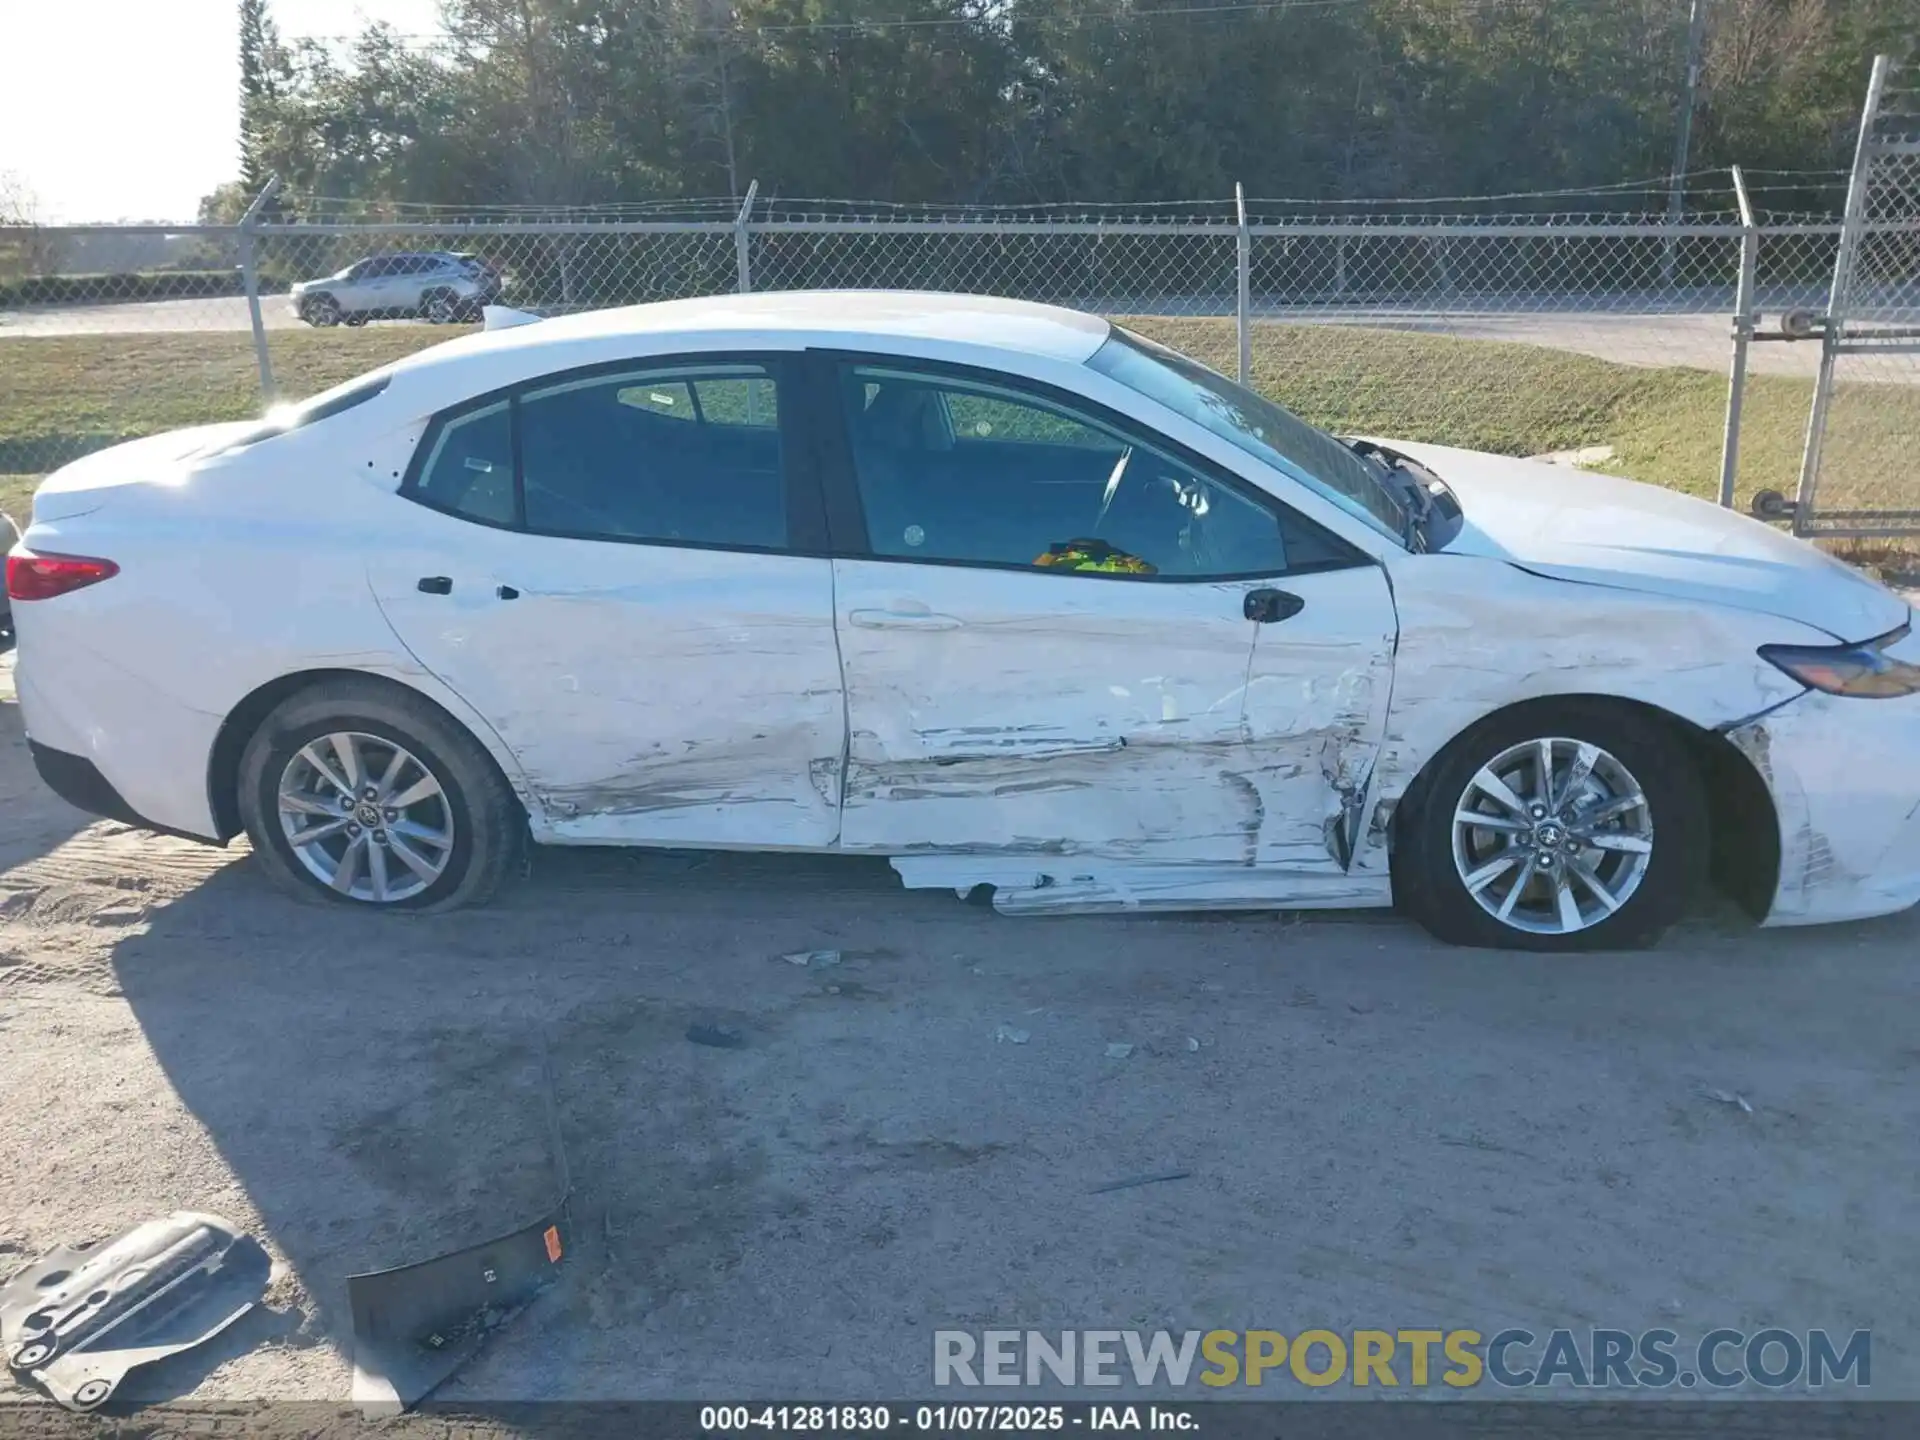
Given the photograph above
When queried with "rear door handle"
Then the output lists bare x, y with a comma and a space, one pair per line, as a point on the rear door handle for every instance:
902, 620
434, 585
1266, 607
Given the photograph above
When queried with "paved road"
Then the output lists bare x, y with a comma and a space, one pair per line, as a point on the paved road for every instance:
1374, 1131
1648, 337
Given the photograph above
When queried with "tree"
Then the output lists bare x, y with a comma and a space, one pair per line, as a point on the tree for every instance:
264, 76
25, 248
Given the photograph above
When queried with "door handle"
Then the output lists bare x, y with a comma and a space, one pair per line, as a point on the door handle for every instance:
434, 585
1268, 607
902, 620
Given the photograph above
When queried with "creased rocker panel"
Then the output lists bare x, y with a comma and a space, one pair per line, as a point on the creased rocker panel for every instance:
1352, 737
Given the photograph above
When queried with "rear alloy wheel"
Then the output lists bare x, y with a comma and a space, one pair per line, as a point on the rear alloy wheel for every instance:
1563, 826
357, 792
320, 310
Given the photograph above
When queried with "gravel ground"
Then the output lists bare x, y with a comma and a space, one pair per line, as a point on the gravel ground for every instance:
1377, 1131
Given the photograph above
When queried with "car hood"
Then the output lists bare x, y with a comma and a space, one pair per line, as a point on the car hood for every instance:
1603, 530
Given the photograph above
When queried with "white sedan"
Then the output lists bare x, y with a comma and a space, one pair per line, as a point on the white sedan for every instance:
1003, 592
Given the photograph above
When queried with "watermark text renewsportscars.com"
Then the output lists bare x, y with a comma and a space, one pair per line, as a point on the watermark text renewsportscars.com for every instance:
1721, 1359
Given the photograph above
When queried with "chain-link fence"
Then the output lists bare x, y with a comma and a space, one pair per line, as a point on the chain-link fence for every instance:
1857, 470
1601, 336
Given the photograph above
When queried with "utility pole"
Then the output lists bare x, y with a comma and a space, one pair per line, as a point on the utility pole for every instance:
1683, 137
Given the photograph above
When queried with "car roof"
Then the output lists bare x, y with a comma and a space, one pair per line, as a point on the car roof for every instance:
844, 317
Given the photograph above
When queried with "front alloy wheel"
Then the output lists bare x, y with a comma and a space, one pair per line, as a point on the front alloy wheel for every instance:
1575, 824
1552, 836
366, 817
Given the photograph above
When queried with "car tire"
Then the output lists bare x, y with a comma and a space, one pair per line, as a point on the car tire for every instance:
320, 311
469, 800
439, 307
1462, 848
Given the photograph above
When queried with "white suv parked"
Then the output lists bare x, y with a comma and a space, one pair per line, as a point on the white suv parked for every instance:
437, 285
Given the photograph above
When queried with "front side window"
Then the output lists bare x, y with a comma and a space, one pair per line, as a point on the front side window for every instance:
955, 469
1251, 422
654, 455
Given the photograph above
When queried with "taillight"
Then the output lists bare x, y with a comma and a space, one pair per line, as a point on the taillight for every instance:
41, 577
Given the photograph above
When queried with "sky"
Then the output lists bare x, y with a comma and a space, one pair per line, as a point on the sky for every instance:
137, 116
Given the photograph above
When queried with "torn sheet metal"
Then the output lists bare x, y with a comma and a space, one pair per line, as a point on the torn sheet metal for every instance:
1055, 885
78, 1319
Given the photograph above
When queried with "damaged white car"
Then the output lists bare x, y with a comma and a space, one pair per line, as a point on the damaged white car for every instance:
1000, 591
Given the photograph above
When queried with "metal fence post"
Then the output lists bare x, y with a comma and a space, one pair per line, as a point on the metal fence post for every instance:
1743, 325
1243, 290
743, 239
1852, 222
250, 277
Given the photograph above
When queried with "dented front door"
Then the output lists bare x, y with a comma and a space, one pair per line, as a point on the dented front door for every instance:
992, 711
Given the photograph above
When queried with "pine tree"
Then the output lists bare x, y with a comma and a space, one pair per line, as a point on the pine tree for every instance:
261, 63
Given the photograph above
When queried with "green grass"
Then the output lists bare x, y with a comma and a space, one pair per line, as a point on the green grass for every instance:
61, 396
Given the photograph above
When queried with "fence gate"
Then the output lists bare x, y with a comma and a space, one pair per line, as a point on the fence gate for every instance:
1857, 475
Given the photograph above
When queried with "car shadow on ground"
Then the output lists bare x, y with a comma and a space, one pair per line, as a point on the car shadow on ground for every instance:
843, 1154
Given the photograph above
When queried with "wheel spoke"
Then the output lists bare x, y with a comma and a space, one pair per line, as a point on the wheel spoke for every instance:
414, 830
1495, 788
307, 804
1568, 902
1585, 757
377, 871
1513, 895
425, 788
1619, 841
1492, 870
1543, 763
395, 764
348, 870
413, 859
1610, 810
1584, 872
319, 832
1481, 820
348, 754
325, 769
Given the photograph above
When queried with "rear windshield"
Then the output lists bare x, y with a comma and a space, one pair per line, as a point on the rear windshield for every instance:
325, 405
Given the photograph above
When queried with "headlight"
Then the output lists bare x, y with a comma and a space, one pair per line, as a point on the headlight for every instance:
1865, 670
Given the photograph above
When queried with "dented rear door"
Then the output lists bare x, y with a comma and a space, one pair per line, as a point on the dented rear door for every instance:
610, 566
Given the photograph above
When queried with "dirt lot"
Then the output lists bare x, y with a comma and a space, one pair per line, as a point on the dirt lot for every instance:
1378, 1132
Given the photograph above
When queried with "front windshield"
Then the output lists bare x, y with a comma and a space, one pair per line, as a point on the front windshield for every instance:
1253, 423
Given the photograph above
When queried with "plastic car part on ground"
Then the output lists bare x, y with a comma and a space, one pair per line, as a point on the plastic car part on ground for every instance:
79, 1318
415, 1325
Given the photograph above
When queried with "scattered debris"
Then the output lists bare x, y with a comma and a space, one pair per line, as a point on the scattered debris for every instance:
717, 1037
1133, 1182
1013, 1035
1119, 1050
1359, 1009
1192, 1043
80, 1317
814, 959
1212, 987
1727, 1097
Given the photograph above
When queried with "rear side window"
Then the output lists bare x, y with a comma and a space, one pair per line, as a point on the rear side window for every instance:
677, 453
665, 455
469, 465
